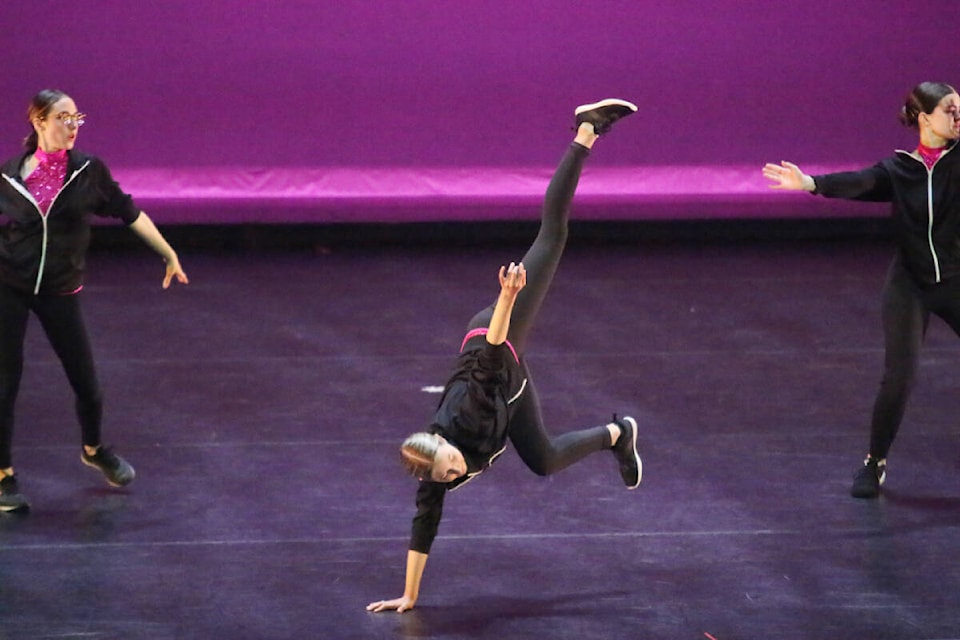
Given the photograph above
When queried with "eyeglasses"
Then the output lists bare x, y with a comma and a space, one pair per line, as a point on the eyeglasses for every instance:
71, 119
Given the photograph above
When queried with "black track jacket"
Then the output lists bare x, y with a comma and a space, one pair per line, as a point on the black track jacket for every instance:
474, 415
925, 205
46, 253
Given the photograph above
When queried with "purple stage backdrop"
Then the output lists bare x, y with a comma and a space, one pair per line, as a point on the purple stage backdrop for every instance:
279, 111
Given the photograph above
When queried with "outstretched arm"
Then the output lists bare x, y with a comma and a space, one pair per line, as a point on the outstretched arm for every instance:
788, 176
512, 279
143, 226
416, 561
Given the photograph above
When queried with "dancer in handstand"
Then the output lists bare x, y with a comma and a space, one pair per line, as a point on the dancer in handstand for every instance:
490, 396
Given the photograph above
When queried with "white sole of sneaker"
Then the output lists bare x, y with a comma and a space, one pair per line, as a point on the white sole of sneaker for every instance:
633, 447
609, 102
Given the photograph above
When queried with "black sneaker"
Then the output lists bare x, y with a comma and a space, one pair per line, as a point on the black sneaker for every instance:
115, 469
603, 114
867, 481
11, 500
631, 468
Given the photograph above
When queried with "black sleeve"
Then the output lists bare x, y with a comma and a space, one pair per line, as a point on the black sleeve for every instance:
115, 203
493, 359
490, 373
427, 521
868, 185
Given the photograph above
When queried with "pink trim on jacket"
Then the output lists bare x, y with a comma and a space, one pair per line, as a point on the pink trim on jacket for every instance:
482, 332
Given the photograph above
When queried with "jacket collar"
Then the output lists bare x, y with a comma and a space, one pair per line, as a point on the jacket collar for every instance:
75, 160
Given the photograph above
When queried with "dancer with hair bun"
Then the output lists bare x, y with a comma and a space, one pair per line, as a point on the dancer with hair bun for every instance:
490, 398
923, 186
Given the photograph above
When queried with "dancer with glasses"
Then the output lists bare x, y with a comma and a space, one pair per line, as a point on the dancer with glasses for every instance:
47, 195
490, 397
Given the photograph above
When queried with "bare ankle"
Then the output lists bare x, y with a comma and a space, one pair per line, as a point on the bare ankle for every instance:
614, 431
586, 135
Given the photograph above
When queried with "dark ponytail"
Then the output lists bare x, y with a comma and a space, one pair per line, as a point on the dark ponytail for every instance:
924, 98
39, 108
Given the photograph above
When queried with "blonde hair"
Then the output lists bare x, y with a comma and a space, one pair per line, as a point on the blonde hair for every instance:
417, 453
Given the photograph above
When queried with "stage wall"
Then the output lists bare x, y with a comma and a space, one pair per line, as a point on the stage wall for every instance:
350, 111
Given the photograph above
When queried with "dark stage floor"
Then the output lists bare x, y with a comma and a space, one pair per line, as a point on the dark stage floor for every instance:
263, 405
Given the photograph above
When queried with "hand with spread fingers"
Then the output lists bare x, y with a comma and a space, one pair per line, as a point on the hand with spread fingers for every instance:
788, 176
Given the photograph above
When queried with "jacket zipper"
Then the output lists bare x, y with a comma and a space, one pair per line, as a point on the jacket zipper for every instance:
471, 476
43, 217
933, 251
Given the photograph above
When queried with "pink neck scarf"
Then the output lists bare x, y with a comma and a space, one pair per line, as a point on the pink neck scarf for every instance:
56, 156
930, 155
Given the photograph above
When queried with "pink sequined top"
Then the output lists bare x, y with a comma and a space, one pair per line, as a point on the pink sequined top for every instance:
930, 155
47, 178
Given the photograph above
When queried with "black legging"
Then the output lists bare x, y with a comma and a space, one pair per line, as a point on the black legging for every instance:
63, 323
906, 314
541, 453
